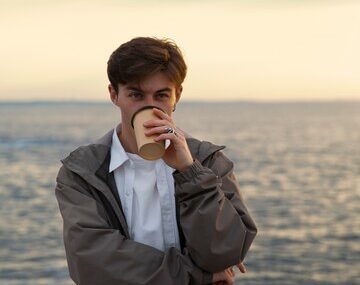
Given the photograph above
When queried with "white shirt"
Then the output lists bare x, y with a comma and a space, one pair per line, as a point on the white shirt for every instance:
146, 190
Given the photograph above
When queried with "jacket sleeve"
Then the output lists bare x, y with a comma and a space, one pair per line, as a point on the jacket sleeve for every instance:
99, 254
215, 221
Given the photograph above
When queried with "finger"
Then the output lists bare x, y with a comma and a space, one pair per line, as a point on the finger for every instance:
223, 277
156, 123
232, 272
219, 276
162, 114
158, 130
229, 279
241, 267
170, 136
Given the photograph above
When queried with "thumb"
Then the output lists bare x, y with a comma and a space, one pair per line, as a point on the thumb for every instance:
241, 267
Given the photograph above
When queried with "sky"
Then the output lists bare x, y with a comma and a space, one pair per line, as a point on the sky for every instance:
235, 50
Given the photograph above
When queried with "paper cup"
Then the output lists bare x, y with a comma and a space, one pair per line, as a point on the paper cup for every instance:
147, 147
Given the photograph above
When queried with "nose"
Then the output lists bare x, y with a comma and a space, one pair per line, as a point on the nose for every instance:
150, 101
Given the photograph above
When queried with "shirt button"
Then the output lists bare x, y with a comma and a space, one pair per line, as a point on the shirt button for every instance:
127, 193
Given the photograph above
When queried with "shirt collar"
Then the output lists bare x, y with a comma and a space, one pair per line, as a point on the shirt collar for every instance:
118, 154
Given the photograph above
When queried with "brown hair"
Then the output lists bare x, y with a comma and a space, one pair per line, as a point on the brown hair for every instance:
143, 56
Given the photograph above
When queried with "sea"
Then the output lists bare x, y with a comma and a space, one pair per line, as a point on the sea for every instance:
297, 164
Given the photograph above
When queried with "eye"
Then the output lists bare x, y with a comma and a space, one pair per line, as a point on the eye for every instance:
163, 95
135, 94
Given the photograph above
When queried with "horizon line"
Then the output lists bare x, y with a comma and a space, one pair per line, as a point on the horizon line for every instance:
79, 101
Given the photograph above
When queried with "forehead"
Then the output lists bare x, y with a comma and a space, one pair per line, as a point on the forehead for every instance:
151, 83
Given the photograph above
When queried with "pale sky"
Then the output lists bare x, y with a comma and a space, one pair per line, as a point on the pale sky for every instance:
235, 50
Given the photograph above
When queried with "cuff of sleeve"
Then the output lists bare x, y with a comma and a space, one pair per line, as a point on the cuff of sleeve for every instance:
207, 277
194, 170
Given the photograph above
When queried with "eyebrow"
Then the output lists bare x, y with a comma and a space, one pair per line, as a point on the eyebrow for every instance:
157, 91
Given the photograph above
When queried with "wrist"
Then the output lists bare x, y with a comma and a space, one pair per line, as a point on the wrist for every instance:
186, 166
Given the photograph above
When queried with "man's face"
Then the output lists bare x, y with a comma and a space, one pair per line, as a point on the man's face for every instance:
156, 90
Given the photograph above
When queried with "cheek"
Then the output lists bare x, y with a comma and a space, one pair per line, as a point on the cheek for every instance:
168, 110
127, 111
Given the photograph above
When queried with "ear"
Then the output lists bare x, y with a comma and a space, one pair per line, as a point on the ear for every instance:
113, 94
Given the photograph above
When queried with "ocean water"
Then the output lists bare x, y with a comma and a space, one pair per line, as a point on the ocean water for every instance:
298, 165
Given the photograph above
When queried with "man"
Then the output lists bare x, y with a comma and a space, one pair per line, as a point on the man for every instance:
180, 219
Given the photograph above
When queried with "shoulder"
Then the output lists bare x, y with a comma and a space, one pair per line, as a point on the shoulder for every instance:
81, 164
89, 157
210, 155
202, 150
94, 147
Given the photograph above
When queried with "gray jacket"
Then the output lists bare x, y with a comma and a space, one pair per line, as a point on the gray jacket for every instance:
215, 227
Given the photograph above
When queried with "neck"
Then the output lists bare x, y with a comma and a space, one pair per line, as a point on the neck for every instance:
127, 139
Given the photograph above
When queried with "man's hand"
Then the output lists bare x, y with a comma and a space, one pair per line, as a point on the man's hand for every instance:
227, 276
178, 154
